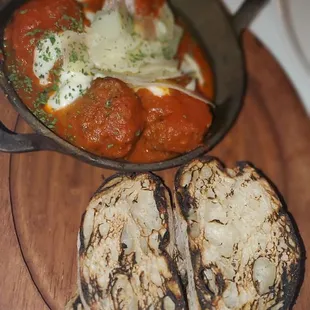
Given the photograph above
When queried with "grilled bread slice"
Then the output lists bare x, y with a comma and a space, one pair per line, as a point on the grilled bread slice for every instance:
242, 247
122, 257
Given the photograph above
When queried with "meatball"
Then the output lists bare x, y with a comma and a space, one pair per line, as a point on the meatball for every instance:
176, 123
107, 120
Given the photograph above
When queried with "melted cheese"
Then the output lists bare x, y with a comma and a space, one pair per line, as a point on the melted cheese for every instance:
110, 45
115, 45
159, 91
189, 65
72, 86
46, 54
75, 69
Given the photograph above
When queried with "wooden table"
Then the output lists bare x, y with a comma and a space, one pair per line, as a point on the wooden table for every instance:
273, 132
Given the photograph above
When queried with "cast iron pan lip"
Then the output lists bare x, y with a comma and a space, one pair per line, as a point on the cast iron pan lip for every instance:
58, 144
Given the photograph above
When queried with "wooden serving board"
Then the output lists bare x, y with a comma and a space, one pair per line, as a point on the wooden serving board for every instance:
48, 192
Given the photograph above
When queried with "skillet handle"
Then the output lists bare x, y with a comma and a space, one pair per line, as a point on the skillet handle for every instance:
11, 142
247, 12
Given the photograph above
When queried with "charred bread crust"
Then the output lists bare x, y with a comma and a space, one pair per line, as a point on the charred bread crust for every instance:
128, 265
284, 294
161, 194
75, 303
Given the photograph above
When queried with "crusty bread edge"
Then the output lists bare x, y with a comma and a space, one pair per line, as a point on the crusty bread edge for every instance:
239, 169
163, 198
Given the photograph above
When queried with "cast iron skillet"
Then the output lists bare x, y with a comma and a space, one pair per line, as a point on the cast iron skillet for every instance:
220, 35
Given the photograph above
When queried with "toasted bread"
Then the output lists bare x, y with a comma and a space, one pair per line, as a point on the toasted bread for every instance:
227, 243
122, 257
242, 246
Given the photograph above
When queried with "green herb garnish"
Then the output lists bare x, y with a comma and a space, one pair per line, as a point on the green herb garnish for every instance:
33, 32
52, 38
138, 56
108, 104
76, 24
73, 57
110, 146
167, 52
47, 119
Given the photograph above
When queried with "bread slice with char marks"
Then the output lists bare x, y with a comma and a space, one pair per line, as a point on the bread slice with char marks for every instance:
235, 235
227, 244
122, 257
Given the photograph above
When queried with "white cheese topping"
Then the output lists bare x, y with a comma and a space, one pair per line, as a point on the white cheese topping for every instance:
72, 86
189, 65
47, 52
110, 46
191, 85
75, 72
159, 91
114, 44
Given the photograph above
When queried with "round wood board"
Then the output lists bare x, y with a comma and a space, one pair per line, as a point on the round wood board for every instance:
49, 192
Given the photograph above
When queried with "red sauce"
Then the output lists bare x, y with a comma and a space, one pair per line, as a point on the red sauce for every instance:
188, 45
148, 8
29, 24
110, 120
107, 120
93, 5
175, 124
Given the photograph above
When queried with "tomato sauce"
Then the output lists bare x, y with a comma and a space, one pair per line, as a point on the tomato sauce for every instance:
189, 46
93, 5
175, 124
148, 8
110, 119
34, 20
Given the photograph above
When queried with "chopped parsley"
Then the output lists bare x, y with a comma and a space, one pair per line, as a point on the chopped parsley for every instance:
117, 132
58, 51
32, 41
33, 32
138, 56
47, 119
55, 87
28, 84
81, 90
47, 56
19, 80
71, 138
167, 52
73, 57
23, 12
75, 24
41, 99
108, 104
52, 38
109, 146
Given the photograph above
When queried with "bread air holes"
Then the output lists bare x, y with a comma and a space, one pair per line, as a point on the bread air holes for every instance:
264, 275
213, 280
168, 303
